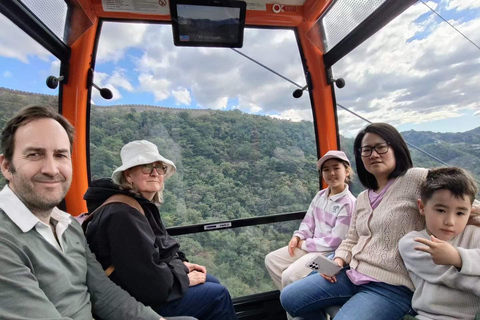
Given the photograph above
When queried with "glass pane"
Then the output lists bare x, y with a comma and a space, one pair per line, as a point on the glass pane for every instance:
237, 256
24, 67
221, 118
421, 76
53, 13
342, 17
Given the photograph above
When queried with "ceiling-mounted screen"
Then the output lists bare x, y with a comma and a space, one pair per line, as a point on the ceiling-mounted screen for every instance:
200, 23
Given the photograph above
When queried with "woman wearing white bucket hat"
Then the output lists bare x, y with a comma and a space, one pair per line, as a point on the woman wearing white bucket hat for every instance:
127, 235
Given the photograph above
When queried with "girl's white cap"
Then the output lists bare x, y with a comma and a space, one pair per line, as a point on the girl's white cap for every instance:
332, 154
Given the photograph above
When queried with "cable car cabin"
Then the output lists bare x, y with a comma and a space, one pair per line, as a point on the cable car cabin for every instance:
244, 111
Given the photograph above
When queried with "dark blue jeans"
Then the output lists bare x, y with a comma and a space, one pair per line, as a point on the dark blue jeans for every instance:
206, 301
309, 296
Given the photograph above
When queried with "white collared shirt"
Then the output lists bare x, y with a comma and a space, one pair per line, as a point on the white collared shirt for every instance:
26, 220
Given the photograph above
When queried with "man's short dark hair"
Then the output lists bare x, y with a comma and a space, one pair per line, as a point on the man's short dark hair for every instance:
25, 116
456, 180
395, 141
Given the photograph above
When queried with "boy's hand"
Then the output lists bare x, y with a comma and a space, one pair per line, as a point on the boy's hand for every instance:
442, 252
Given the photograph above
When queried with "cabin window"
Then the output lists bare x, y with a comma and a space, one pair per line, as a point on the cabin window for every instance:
24, 67
404, 75
236, 256
53, 13
243, 146
341, 18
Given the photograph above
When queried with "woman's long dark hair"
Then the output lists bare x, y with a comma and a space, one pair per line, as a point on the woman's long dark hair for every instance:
396, 142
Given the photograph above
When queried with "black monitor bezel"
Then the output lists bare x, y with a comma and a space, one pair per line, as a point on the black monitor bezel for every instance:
242, 5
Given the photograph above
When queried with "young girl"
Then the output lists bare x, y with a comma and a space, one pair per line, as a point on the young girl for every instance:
376, 285
324, 226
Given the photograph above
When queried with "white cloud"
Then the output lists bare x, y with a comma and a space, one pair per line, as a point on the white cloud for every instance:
119, 79
477, 113
182, 96
217, 104
114, 82
255, 109
215, 75
117, 38
16, 44
103, 80
295, 115
159, 87
412, 71
463, 4
247, 106
7, 74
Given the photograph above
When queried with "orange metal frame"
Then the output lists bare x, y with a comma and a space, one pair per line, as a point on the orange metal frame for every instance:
75, 93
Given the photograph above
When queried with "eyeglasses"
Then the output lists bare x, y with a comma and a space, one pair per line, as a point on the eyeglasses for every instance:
380, 148
148, 168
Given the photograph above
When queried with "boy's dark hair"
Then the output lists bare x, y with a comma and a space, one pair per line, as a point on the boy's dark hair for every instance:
25, 116
396, 142
456, 180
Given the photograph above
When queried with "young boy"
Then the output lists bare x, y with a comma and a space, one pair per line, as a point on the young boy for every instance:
443, 260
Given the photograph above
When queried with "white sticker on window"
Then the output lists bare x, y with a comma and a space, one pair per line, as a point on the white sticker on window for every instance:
256, 6
217, 226
137, 6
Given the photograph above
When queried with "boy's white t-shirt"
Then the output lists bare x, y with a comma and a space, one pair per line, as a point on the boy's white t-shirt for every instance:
444, 292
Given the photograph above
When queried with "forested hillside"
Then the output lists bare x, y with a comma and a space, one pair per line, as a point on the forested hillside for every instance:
233, 165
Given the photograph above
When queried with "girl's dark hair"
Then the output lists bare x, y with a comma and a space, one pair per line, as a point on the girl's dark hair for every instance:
396, 142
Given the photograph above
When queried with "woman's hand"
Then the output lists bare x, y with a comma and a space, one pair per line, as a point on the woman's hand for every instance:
293, 244
333, 278
441, 251
196, 277
193, 266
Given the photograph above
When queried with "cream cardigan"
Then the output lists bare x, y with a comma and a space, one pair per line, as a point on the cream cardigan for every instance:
371, 245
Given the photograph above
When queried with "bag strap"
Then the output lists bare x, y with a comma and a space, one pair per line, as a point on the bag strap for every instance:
116, 198
123, 198
109, 270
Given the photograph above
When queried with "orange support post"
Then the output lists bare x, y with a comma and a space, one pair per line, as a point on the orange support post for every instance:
74, 108
324, 108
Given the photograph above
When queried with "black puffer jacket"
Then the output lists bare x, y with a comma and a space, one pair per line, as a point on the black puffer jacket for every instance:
146, 258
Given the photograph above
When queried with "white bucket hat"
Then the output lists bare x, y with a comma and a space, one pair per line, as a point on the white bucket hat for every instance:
140, 152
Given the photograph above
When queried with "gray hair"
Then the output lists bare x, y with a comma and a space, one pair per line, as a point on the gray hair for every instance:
125, 185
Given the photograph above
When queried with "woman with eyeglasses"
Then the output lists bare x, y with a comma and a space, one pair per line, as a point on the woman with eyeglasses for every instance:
127, 235
374, 283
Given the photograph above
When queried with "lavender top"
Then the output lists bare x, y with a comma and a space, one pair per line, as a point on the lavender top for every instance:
356, 277
327, 220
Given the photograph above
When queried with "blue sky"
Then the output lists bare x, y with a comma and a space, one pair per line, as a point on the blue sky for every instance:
417, 73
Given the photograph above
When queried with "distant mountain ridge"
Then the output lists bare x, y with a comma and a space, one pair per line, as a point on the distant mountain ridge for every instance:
424, 137
25, 93
412, 136
460, 148
19, 99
